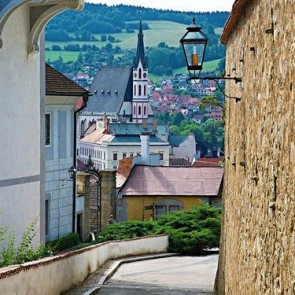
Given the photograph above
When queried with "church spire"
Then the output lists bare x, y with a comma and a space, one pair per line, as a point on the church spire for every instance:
140, 48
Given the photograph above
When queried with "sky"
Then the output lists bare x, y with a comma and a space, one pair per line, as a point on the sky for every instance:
181, 5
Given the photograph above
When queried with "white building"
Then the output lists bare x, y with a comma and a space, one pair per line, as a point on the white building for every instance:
61, 99
109, 144
22, 111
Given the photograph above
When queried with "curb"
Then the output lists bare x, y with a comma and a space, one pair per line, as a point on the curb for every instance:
109, 273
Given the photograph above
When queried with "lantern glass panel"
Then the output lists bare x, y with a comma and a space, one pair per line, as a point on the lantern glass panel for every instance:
194, 53
194, 35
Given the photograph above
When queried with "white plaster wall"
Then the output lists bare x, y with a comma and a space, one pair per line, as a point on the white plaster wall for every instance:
20, 126
58, 187
54, 275
186, 150
129, 149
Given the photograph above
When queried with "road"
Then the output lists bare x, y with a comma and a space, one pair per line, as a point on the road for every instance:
179, 275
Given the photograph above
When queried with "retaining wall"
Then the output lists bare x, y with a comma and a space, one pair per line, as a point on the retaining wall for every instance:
53, 275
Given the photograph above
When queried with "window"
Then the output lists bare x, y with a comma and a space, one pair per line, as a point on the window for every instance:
46, 217
115, 156
139, 73
47, 129
144, 110
144, 90
134, 110
161, 156
134, 90
124, 155
139, 110
139, 90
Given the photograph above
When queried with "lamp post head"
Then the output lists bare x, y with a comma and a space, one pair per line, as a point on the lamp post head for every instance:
72, 171
194, 45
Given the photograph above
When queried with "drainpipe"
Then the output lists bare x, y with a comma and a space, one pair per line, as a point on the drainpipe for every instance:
85, 99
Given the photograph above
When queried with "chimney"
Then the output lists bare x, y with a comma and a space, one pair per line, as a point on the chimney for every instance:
105, 121
144, 123
145, 147
155, 126
218, 153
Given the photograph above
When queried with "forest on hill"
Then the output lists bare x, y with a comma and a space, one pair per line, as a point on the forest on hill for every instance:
106, 35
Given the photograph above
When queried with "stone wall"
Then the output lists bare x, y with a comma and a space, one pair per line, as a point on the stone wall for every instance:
108, 195
258, 240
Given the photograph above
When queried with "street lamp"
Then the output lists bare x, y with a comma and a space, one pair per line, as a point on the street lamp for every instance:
72, 171
194, 44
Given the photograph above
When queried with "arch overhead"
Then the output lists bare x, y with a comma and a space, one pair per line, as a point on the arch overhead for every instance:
41, 13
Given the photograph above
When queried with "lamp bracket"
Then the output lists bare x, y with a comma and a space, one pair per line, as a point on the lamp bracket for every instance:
236, 79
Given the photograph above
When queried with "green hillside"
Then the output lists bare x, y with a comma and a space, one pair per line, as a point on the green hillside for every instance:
160, 31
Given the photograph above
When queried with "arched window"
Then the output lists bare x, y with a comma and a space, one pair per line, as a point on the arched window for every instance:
134, 90
144, 90
139, 90
144, 110
139, 73
139, 110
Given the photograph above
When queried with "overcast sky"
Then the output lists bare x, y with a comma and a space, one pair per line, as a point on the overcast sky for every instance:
181, 5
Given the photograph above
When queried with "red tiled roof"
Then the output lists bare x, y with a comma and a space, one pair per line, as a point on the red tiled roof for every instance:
124, 168
237, 9
208, 162
180, 162
58, 84
173, 181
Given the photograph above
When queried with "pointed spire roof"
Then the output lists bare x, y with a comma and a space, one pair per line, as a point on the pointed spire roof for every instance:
140, 48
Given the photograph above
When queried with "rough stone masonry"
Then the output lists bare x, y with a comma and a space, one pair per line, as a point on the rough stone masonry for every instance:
257, 254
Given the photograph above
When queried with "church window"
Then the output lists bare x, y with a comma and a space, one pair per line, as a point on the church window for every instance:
144, 110
144, 90
134, 90
139, 73
139, 90
139, 110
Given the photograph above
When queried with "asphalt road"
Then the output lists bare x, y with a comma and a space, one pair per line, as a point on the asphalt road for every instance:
180, 275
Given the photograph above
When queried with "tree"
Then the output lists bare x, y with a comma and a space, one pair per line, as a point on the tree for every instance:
179, 117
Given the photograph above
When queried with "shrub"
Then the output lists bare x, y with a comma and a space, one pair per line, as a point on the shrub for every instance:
24, 252
64, 243
127, 230
189, 232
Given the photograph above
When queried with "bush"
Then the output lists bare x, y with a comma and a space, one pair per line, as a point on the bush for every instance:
64, 243
189, 232
24, 252
127, 230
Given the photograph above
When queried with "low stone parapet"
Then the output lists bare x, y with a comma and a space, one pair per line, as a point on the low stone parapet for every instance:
57, 274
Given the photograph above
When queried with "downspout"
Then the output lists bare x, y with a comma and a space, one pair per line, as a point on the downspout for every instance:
85, 99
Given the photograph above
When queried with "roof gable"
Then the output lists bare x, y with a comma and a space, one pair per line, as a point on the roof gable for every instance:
57, 84
237, 9
110, 88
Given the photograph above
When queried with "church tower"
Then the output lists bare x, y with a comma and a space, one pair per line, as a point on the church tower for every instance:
141, 108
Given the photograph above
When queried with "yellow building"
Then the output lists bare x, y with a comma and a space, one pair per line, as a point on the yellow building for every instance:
150, 191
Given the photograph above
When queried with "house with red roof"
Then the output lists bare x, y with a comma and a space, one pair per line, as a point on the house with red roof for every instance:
157, 190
